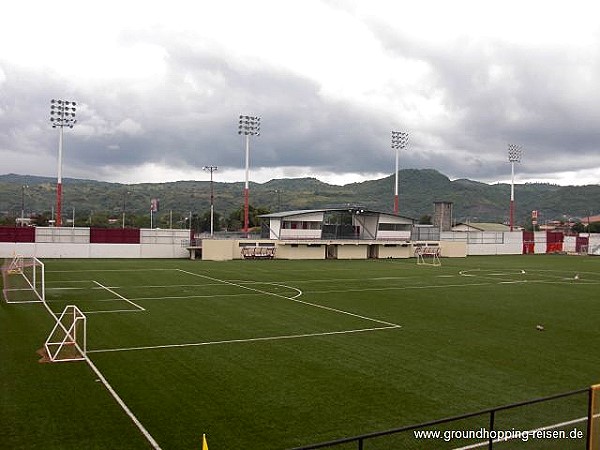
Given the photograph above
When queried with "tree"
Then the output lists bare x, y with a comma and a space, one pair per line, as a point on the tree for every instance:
235, 221
578, 227
593, 227
425, 220
205, 222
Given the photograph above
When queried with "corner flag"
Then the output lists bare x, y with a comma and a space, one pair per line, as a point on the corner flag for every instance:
204, 443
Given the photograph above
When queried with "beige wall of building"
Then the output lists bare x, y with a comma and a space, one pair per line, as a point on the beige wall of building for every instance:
394, 252
225, 250
219, 249
352, 251
299, 251
453, 249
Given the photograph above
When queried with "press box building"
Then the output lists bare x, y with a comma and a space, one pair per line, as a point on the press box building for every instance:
339, 233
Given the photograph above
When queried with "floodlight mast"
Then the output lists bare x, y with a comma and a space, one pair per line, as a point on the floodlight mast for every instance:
62, 114
211, 169
248, 126
514, 155
399, 141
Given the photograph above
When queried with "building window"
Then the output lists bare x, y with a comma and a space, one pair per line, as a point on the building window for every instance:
300, 225
394, 227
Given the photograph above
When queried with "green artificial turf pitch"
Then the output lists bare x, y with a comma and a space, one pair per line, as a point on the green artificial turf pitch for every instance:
278, 354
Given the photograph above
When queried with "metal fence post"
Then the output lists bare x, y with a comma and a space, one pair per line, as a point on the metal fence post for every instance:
491, 441
588, 444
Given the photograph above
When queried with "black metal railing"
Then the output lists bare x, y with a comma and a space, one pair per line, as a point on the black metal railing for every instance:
490, 424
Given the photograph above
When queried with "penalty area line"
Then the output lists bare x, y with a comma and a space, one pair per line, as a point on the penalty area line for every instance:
120, 296
243, 341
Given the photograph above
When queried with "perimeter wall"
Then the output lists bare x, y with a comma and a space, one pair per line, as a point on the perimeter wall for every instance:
68, 242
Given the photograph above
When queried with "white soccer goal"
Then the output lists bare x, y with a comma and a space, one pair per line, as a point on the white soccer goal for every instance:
67, 340
23, 280
428, 255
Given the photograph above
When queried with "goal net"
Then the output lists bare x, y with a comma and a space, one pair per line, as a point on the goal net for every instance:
23, 280
67, 340
428, 256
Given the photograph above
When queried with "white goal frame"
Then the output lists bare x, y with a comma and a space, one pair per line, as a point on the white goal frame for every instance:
22, 275
428, 255
68, 339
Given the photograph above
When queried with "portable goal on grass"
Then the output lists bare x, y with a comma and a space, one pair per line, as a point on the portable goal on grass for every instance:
428, 255
67, 340
23, 279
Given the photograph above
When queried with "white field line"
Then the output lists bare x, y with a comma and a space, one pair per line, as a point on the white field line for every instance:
114, 394
543, 278
123, 406
295, 299
400, 288
26, 301
99, 300
249, 340
104, 270
120, 296
529, 432
181, 297
443, 286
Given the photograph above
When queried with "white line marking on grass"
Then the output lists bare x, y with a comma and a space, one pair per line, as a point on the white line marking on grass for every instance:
241, 341
108, 311
529, 432
183, 297
25, 301
293, 299
114, 394
120, 296
105, 270
121, 403
400, 288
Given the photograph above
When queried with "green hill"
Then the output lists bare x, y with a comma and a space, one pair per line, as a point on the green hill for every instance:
472, 200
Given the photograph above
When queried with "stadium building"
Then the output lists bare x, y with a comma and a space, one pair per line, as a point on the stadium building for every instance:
339, 233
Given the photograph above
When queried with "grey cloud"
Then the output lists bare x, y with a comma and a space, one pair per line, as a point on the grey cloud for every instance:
493, 94
543, 99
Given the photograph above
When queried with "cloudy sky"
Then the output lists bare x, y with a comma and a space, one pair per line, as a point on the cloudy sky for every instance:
160, 86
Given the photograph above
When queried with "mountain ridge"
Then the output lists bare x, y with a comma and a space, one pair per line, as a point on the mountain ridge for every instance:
419, 189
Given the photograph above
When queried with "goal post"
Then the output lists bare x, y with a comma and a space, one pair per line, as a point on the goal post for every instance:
428, 255
67, 340
23, 280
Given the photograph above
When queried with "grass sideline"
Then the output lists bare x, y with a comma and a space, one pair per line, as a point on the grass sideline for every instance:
277, 354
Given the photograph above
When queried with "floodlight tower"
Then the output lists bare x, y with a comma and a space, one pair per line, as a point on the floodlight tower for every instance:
248, 126
211, 169
514, 155
399, 141
62, 114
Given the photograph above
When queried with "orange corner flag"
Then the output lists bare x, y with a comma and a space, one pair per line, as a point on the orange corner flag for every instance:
204, 443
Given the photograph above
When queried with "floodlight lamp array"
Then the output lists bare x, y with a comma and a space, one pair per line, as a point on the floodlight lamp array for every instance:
62, 113
249, 125
399, 139
515, 153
